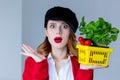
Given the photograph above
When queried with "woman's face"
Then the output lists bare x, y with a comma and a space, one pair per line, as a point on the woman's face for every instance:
58, 33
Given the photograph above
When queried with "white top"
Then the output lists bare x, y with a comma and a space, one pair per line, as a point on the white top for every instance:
65, 73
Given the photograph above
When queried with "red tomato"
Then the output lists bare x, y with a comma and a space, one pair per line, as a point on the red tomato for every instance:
82, 42
88, 42
80, 39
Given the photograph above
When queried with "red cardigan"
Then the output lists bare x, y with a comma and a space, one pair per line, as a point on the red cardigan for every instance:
39, 70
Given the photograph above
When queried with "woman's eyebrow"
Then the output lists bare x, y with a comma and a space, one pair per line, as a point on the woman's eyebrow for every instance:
64, 23
52, 23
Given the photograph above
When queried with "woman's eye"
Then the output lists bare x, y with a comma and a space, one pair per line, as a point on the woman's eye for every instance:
65, 26
52, 26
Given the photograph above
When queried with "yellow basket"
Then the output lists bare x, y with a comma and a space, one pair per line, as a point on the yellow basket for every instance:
93, 55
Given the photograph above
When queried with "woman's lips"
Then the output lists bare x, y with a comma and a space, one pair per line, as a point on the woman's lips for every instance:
58, 39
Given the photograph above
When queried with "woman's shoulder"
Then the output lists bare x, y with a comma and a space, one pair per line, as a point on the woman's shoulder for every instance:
74, 60
75, 64
29, 60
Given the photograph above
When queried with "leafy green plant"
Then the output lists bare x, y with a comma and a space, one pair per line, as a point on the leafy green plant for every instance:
100, 32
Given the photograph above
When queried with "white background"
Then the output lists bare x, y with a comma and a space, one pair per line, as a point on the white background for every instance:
10, 39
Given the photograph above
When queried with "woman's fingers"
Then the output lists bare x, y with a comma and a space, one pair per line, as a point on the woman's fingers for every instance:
27, 49
31, 49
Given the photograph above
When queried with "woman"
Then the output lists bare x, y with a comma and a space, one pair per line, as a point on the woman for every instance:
56, 57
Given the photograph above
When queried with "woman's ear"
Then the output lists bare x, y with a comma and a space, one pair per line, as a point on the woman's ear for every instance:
46, 31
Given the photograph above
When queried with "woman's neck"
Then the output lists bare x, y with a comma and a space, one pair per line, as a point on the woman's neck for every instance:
59, 54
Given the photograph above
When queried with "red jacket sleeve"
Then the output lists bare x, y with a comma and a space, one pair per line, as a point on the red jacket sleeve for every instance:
35, 70
80, 74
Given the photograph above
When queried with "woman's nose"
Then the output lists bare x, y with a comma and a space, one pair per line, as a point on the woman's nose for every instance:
58, 31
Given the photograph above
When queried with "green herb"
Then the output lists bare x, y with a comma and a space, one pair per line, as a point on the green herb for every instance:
100, 32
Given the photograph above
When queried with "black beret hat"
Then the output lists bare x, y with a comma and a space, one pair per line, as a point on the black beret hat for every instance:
61, 13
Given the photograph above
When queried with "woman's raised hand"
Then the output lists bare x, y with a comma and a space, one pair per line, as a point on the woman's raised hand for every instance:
28, 51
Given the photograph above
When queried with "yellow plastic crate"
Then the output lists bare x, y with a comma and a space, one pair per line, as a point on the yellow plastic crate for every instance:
93, 55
